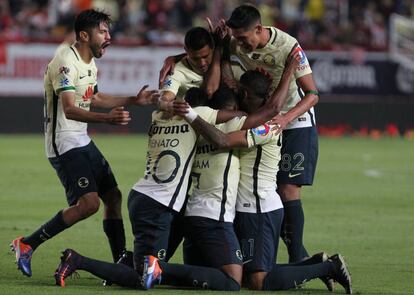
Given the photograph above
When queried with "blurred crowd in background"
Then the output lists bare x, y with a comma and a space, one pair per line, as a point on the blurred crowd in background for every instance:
317, 24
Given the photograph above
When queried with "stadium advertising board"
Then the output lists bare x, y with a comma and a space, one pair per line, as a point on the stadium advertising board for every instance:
124, 69
361, 73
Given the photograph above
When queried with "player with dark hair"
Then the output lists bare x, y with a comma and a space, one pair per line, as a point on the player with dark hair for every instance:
192, 66
267, 47
70, 90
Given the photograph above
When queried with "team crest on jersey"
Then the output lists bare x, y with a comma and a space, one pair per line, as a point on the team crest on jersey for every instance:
64, 82
161, 254
269, 60
303, 59
262, 130
83, 182
64, 70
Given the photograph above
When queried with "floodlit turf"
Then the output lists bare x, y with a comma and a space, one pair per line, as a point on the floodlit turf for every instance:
361, 205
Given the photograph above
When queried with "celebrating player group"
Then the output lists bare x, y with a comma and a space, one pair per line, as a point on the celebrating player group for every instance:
230, 145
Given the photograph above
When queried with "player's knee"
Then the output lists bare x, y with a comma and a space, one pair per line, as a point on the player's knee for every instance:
88, 205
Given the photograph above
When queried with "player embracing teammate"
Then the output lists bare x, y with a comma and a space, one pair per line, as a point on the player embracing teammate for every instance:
261, 213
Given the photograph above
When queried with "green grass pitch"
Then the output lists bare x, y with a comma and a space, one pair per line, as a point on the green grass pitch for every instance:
361, 205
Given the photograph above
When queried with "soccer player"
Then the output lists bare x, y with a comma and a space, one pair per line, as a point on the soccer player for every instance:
192, 67
210, 209
267, 48
259, 209
70, 90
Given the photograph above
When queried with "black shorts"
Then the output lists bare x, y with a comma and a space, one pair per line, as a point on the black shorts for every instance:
210, 243
299, 154
258, 234
83, 170
151, 223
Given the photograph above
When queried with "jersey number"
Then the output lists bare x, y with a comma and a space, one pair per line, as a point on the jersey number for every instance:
286, 162
173, 174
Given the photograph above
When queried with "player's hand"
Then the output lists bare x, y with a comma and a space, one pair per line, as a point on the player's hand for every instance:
178, 107
167, 69
118, 116
145, 97
279, 123
221, 33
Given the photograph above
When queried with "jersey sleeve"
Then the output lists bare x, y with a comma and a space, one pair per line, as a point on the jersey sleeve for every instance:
304, 66
173, 82
207, 114
260, 135
64, 75
234, 124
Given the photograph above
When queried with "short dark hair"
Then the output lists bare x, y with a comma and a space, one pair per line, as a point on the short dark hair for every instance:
198, 37
244, 17
196, 97
90, 19
222, 98
256, 82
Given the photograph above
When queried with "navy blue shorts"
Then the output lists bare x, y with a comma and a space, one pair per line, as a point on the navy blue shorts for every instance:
258, 234
299, 154
83, 170
210, 243
151, 223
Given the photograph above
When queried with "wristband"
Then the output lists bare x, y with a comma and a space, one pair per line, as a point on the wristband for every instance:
312, 92
191, 115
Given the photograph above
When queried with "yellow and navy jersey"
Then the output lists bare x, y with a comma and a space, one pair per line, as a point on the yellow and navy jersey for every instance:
215, 178
258, 169
183, 78
67, 72
272, 58
170, 155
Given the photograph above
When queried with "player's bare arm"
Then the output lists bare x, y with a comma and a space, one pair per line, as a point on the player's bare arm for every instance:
215, 136
212, 78
311, 98
143, 98
116, 116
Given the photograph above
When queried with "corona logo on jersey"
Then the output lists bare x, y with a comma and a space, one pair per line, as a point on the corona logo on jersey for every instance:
261, 130
88, 93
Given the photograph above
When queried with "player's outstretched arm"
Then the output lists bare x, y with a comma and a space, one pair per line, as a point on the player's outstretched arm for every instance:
215, 136
311, 98
143, 98
221, 38
116, 116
